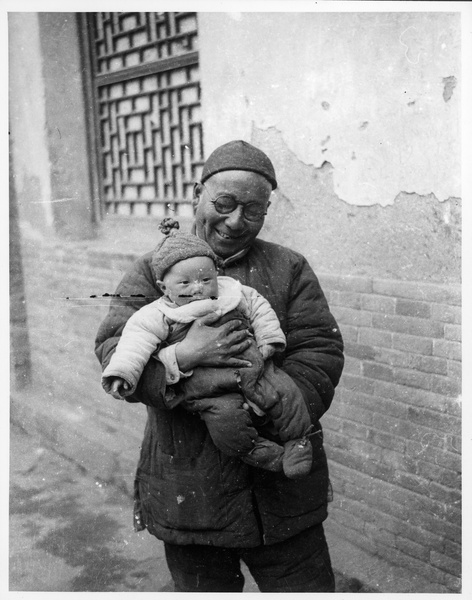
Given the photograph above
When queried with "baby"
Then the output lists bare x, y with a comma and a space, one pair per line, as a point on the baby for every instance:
185, 268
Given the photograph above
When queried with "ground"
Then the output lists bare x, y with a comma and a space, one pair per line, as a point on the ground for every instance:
70, 532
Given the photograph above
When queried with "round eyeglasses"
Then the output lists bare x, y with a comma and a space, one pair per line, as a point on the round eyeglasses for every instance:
226, 203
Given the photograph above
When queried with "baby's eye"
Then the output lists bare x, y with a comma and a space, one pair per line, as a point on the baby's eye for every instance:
206, 279
184, 282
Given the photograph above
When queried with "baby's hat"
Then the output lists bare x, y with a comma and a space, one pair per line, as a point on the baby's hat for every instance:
177, 246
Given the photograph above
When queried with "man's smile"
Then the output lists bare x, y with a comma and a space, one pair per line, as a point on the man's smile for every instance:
226, 236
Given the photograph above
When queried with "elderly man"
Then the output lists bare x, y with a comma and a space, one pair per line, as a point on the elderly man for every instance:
212, 510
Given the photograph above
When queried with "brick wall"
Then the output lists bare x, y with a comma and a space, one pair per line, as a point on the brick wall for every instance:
392, 433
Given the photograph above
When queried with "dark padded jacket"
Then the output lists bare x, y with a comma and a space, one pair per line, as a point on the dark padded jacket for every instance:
187, 492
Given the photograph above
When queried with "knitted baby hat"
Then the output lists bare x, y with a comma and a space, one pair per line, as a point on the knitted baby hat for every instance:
238, 155
177, 246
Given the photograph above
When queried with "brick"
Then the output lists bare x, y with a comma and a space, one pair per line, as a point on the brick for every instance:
385, 440
379, 534
397, 460
347, 283
447, 349
412, 482
351, 316
445, 563
444, 494
433, 420
408, 431
445, 385
454, 369
359, 408
374, 337
348, 299
452, 550
331, 423
377, 371
426, 451
411, 308
355, 414
412, 548
446, 313
355, 430
453, 332
351, 382
408, 325
429, 364
375, 469
349, 333
454, 443
394, 358
360, 351
352, 366
453, 583
413, 290
410, 378
416, 397
418, 502
357, 510
418, 567
385, 405
345, 519
380, 304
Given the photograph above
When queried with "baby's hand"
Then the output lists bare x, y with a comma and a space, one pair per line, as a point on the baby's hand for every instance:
267, 350
118, 388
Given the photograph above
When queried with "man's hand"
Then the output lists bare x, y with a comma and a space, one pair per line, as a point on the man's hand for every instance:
206, 346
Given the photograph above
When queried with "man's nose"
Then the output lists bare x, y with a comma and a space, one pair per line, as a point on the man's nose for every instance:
235, 219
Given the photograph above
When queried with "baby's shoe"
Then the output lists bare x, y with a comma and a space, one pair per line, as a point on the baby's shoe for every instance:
265, 455
298, 458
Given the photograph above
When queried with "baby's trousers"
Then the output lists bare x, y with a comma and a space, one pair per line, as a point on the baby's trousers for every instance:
229, 424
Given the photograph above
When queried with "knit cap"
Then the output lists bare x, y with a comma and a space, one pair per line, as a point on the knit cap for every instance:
238, 155
177, 246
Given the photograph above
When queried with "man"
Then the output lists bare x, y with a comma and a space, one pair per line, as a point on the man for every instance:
212, 510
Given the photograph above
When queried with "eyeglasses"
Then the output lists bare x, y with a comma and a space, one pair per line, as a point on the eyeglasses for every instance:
227, 203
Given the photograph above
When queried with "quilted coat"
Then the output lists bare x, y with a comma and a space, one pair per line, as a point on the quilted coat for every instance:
187, 492
163, 321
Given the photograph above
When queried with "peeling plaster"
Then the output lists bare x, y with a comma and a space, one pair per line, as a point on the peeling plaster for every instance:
449, 85
416, 237
377, 94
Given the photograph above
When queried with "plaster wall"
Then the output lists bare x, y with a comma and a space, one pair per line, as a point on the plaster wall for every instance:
48, 124
375, 94
360, 113
27, 120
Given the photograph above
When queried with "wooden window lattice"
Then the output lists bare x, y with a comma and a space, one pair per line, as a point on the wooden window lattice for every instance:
148, 115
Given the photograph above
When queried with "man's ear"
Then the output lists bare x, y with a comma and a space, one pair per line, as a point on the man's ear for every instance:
197, 192
162, 286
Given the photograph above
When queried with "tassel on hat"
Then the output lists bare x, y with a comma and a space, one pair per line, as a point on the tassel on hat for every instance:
177, 246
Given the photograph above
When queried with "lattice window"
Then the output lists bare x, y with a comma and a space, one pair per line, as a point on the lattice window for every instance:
148, 118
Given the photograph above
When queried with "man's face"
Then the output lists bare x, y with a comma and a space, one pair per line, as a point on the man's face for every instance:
227, 234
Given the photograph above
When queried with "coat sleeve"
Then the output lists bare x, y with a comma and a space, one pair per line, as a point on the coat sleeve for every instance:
314, 355
264, 320
136, 289
144, 331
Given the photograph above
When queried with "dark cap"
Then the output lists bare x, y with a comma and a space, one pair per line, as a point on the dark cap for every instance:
239, 156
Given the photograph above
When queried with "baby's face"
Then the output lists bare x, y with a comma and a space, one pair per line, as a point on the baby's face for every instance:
191, 279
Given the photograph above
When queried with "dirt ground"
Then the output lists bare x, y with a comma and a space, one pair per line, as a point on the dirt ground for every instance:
70, 532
